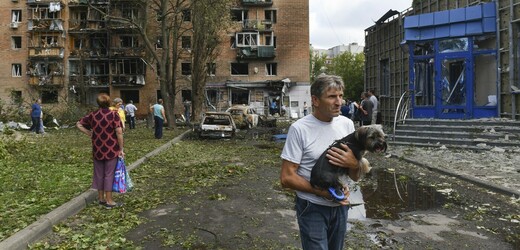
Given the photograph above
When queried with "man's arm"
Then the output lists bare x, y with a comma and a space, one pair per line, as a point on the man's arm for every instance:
289, 178
345, 158
164, 115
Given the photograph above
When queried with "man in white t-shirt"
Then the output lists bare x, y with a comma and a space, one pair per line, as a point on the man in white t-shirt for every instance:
375, 103
130, 113
321, 220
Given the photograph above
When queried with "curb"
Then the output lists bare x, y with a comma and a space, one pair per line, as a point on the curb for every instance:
43, 226
464, 177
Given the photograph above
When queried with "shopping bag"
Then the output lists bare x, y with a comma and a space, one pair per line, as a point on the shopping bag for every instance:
128, 182
119, 184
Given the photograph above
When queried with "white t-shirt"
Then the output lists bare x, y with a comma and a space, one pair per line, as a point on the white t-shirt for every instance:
306, 140
374, 101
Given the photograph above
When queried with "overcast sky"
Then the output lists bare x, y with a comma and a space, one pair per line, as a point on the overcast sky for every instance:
337, 22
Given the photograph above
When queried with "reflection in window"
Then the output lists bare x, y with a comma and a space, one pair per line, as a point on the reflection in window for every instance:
453, 45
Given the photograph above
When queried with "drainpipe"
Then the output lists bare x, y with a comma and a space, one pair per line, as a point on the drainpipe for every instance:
499, 68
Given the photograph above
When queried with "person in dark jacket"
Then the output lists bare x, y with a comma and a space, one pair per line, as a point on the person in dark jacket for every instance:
36, 115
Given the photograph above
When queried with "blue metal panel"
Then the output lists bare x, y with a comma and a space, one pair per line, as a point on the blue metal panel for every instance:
457, 29
411, 21
412, 35
441, 17
489, 10
474, 28
426, 19
490, 24
428, 33
442, 31
457, 15
474, 12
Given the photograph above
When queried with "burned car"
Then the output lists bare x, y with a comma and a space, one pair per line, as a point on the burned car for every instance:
244, 116
216, 125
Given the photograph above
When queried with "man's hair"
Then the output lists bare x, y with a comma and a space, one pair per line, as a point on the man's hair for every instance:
131, 101
103, 100
117, 100
160, 101
323, 83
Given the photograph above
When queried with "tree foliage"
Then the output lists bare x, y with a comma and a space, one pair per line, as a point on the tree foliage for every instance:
210, 21
318, 64
350, 67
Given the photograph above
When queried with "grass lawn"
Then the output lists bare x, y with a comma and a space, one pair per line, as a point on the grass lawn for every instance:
41, 172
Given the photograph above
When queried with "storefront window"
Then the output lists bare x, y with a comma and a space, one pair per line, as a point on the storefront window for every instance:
453, 45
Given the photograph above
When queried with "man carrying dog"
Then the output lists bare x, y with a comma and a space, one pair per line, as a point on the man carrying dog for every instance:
322, 221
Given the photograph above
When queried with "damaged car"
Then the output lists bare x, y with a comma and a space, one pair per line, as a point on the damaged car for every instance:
244, 116
216, 125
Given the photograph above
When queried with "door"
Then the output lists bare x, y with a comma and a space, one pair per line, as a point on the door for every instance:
452, 88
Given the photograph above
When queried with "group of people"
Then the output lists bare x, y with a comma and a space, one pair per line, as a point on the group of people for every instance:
366, 111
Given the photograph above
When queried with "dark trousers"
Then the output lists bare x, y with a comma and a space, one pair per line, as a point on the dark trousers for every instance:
158, 126
35, 127
131, 121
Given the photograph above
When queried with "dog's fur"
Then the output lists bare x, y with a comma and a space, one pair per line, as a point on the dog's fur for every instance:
365, 139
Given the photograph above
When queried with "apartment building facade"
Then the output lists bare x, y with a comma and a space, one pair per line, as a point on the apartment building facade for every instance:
68, 50
453, 59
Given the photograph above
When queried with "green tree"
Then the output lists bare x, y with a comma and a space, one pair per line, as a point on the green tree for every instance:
318, 64
350, 67
211, 21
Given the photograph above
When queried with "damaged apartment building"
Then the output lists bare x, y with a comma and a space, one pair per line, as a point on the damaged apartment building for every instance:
453, 59
68, 50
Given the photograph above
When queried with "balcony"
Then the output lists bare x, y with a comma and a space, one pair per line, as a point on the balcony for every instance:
56, 52
128, 80
257, 2
47, 81
257, 52
257, 25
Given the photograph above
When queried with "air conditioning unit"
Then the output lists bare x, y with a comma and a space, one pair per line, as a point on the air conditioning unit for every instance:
14, 25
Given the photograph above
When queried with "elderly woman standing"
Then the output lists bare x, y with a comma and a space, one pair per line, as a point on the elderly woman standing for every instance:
104, 127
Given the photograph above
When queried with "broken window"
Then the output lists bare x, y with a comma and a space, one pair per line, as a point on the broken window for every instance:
131, 13
212, 69
423, 49
130, 66
128, 95
186, 68
99, 68
186, 42
485, 83
211, 97
186, 94
270, 16
16, 42
239, 96
238, 15
16, 16
186, 15
270, 69
424, 82
233, 42
453, 45
16, 97
49, 96
239, 69
158, 43
48, 41
128, 41
16, 70
246, 39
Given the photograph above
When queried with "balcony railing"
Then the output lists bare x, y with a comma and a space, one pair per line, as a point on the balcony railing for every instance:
255, 24
47, 80
256, 52
257, 2
46, 52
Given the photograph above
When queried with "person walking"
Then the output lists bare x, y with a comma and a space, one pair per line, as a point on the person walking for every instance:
130, 112
104, 127
375, 103
36, 114
365, 108
187, 108
159, 118
322, 221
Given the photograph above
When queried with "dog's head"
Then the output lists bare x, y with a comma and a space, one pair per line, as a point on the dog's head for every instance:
372, 138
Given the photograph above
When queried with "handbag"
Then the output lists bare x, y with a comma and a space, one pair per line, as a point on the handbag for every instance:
119, 184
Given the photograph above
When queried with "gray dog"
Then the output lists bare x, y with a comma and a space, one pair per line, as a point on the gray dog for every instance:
330, 177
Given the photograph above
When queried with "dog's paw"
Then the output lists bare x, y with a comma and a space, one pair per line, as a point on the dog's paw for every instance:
364, 164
